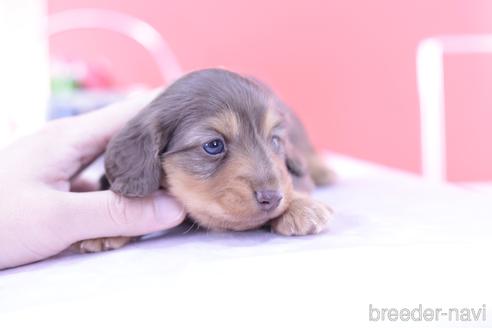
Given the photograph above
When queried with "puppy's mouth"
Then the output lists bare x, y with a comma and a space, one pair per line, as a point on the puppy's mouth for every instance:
234, 222
235, 225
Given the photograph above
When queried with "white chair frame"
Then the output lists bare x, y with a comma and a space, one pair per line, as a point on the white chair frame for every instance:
430, 84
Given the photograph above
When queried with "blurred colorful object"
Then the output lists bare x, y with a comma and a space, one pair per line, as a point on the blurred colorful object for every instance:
79, 86
69, 75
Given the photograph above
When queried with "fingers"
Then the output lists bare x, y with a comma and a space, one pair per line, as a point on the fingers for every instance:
81, 184
91, 132
103, 123
106, 214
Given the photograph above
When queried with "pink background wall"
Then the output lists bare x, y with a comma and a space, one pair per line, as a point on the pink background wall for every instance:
346, 66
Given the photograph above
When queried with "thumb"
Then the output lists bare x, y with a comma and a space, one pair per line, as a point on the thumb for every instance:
106, 214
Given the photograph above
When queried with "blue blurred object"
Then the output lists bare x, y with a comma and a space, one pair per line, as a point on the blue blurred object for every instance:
78, 102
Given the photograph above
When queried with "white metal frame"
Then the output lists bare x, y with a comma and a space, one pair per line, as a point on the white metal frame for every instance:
430, 84
132, 27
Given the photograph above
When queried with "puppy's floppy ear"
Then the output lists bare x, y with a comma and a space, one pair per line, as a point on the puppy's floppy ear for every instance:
297, 167
132, 162
297, 149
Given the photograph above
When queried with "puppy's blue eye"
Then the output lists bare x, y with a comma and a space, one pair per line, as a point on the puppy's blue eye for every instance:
214, 147
276, 143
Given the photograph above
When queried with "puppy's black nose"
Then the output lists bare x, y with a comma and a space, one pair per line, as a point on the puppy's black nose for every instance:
268, 199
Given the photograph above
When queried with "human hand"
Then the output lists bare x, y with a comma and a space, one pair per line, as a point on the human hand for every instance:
40, 216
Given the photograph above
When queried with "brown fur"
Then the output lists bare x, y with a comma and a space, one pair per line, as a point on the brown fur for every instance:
266, 148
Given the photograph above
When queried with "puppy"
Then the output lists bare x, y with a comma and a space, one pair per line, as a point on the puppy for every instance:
227, 148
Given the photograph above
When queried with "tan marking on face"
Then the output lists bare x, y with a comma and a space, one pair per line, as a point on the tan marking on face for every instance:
226, 123
225, 201
271, 120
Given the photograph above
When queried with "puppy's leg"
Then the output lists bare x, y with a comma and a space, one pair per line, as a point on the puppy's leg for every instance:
304, 216
101, 244
319, 171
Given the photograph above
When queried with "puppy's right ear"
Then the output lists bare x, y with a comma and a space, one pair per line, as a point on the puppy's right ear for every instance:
132, 161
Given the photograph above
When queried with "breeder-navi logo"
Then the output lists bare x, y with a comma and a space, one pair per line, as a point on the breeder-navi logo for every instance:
428, 314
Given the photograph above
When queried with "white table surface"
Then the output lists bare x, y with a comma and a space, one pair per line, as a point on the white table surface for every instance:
397, 241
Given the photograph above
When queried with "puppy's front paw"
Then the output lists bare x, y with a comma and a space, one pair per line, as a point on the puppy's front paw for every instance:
100, 244
303, 217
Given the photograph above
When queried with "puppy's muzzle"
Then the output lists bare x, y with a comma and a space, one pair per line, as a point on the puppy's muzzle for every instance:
268, 200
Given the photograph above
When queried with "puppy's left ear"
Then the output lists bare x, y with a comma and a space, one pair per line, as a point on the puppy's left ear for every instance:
132, 160
297, 149
297, 167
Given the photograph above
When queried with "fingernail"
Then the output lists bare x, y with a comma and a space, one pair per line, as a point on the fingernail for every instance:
168, 210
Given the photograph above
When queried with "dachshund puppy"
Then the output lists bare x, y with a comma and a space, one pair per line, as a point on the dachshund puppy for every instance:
228, 149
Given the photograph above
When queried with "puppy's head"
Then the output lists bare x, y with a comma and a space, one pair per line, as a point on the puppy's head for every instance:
216, 141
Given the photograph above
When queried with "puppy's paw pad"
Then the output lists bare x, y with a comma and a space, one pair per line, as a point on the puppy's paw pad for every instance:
101, 244
304, 217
